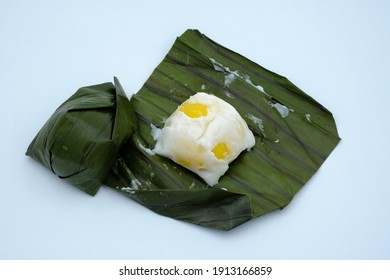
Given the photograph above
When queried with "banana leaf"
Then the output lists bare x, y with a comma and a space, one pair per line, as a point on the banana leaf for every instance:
81, 140
294, 135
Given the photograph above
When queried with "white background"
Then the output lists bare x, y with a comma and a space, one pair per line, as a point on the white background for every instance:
337, 51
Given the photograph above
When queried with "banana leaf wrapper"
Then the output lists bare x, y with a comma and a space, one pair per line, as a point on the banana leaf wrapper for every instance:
294, 135
81, 140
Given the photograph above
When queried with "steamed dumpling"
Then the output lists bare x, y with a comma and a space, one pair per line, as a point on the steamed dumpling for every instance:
204, 135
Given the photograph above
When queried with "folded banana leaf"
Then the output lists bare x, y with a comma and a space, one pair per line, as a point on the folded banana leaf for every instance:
81, 140
294, 135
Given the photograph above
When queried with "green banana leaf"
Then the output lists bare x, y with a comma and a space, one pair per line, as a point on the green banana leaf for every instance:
294, 135
99, 136
81, 140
